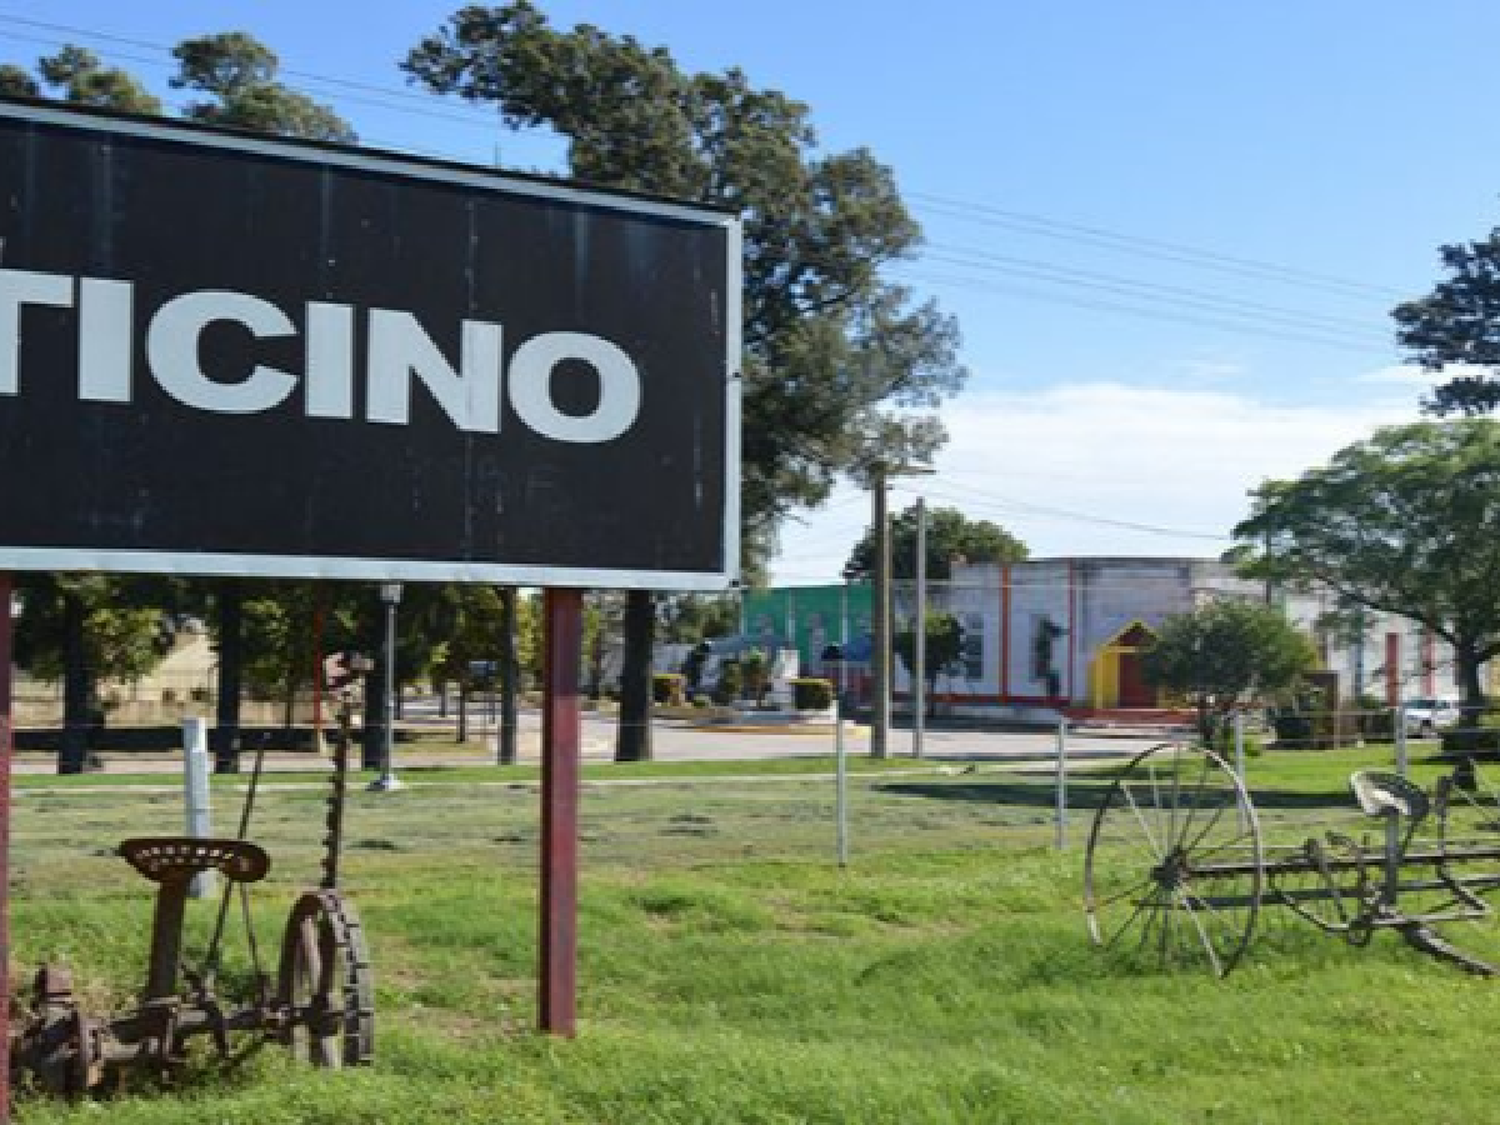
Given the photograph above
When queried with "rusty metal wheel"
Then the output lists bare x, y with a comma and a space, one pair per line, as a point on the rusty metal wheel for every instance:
1174, 870
326, 987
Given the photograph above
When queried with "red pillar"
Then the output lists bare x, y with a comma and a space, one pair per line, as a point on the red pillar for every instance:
6, 746
562, 739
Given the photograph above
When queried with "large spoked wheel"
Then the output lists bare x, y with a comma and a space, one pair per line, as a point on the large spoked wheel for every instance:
1175, 870
325, 983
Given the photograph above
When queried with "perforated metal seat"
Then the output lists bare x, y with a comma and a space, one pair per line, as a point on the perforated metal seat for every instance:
171, 859
1389, 794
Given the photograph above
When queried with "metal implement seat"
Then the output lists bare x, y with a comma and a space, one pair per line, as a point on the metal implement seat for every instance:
172, 859
171, 862
1382, 794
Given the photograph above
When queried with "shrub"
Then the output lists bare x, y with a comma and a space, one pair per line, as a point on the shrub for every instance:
667, 688
731, 683
1474, 742
1377, 722
756, 671
812, 694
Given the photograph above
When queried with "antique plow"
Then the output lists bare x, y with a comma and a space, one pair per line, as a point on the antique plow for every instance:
1179, 865
319, 1001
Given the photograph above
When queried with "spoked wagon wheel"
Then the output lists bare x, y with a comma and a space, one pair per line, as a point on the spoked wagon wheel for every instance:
1174, 869
326, 984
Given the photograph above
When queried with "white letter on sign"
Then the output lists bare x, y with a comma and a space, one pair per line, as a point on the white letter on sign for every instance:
531, 387
104, 340
399, 349
172, 347
17, 288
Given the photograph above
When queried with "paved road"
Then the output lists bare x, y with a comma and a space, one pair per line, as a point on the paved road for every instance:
674, 741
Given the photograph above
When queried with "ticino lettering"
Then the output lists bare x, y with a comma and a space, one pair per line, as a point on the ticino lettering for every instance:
398, 351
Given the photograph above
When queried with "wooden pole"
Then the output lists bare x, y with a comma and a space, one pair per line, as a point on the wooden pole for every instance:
6, 747
562, 738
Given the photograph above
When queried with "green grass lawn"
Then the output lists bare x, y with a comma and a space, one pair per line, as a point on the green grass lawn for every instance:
731, 973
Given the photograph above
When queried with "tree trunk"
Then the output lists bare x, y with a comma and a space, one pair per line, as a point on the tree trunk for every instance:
289, 702
634, 739
73, 751
1471, 707
229, 603
463, 711
506, 751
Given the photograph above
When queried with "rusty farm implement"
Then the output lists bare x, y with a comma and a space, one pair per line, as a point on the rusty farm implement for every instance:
1181, 866
318, 1000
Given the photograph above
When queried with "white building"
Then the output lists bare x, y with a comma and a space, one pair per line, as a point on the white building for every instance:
1065, 635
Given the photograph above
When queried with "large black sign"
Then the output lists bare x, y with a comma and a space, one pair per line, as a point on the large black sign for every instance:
227, 355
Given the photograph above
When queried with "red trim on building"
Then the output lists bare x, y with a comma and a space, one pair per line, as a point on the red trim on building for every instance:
1004, 678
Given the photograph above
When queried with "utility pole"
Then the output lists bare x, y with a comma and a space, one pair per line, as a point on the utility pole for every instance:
880, 652
919, 637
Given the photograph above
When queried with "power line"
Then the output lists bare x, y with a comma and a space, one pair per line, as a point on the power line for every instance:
1042, 226
1011, 507
1046, 271
972, 285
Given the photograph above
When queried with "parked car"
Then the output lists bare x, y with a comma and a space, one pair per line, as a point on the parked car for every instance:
1425, 717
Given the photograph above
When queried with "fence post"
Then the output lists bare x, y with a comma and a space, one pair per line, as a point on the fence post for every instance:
841, 783
1398, 735
1062, 783
1239, 759
195, 794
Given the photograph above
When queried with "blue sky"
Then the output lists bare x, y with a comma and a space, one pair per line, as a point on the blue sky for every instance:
1171, 231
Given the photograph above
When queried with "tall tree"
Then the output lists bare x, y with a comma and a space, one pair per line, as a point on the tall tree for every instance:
841, 366
1226, 654
1458, 325
1402, 523
78, 76
239, 73
951, 537
81, 629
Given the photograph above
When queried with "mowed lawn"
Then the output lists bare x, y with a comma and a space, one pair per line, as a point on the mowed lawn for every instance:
730, 972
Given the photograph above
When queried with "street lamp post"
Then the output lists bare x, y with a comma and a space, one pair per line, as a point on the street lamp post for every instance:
880, 654
390, 597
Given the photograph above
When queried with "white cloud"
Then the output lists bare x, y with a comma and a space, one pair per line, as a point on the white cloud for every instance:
1410, 375
1400, 375
1173, 459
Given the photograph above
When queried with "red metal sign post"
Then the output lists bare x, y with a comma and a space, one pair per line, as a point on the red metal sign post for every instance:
6, 745
562, 740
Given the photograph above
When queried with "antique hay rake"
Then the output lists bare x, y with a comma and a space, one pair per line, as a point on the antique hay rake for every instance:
1180, 865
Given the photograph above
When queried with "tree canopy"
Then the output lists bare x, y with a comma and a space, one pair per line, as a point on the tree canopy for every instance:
942, 648
1226, 654
951, 537
1402, 523
841, 367
239, 73
1458, 325
77, 75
